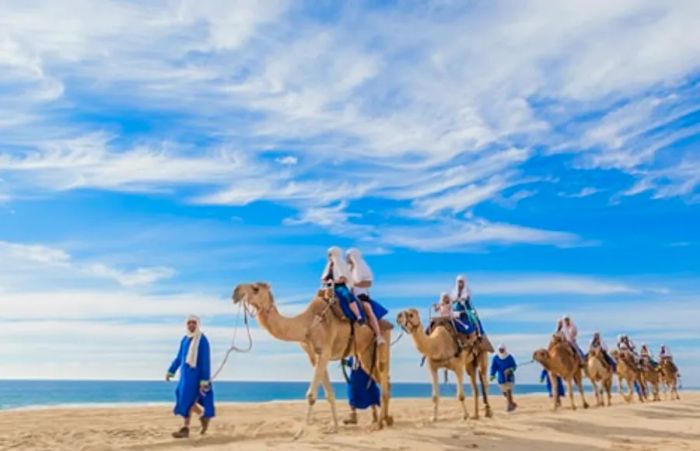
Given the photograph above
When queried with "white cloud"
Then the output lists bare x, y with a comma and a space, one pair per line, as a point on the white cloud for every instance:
394, 116
458, 235
18, 259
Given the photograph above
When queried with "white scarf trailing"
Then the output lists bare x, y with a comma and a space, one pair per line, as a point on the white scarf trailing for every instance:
340, 269
360, 270
196, 336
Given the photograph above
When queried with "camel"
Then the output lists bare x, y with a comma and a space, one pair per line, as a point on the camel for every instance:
441, 351
628, 371
561, 360
650, 377
324, 337
669, 377
599, 370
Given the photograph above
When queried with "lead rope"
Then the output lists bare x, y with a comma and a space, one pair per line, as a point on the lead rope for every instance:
233, 346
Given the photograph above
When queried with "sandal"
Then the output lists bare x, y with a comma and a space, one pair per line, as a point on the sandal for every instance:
184, 432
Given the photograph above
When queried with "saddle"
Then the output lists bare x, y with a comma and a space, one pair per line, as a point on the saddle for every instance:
462, 341
328, 295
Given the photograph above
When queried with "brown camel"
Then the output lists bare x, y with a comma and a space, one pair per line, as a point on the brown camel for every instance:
561, 360
628, 371
441, 351
599, 370
324, 337
650, 377
669, 377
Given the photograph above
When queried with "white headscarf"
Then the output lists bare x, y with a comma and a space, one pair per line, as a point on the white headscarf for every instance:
466, 292
360, 270
340, 269
505, 353
196, 336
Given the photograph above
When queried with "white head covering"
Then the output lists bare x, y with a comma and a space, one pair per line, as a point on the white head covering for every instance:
443, 294
196, 336
504, 354
360, 270
340, 269
466, 292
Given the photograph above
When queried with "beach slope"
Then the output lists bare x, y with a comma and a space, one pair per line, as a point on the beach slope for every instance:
665, 425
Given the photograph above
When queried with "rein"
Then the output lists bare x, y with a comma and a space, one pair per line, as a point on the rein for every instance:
233, 346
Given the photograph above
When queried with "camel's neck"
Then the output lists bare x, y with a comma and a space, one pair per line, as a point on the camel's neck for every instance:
430, 347
293, 328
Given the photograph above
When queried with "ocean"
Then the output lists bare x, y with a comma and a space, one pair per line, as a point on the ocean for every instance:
16, 394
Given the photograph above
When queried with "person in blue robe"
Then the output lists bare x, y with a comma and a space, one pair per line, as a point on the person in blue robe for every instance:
503, 366
194, 392
363, 391
561, 390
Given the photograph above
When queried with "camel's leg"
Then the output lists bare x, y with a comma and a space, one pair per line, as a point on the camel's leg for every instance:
330, 396
555, 390
436, 392
375, 415
483, 368
471, 370
625, 396
570, 387
598, 395
459, 375
312, 394
383, 356
608, 389
579, 382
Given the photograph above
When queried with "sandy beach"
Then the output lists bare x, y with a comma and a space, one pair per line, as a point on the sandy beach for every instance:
665, 425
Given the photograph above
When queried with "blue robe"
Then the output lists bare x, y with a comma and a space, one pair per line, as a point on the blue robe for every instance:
363, 391
345, 298
499, 367
377, 308
560, 384
464, 323
187, 392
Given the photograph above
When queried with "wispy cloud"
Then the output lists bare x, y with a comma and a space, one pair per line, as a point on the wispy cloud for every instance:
14, 255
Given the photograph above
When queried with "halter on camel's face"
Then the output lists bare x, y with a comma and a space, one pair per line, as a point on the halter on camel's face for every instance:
255, 296
409, 320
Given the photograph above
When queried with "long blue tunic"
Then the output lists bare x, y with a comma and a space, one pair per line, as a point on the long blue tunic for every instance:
187, 392
363, 391
561, 391
500, 366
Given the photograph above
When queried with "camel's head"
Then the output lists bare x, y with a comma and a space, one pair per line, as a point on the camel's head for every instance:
256, 296
409, 320
615, 354
541, 356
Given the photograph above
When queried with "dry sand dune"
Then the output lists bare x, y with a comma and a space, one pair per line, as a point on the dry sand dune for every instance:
665, 425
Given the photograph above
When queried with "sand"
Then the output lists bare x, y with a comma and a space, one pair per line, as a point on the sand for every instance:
665, 425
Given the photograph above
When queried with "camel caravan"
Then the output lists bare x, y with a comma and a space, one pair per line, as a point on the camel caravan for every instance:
343, 321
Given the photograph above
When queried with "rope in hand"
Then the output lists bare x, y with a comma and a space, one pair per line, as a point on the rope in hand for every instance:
233, 346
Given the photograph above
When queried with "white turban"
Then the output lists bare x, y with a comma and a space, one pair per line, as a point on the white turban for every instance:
193, 350
360, 270
466, 293
340, 269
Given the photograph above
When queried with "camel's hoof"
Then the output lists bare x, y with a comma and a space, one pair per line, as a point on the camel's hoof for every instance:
376, 426
489, 413
331, 430
389, 420
585, 405
573, 408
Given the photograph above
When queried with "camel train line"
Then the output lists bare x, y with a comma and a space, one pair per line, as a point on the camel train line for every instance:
325, 335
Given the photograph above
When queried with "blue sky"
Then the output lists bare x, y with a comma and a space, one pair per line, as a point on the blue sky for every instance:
155, 154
